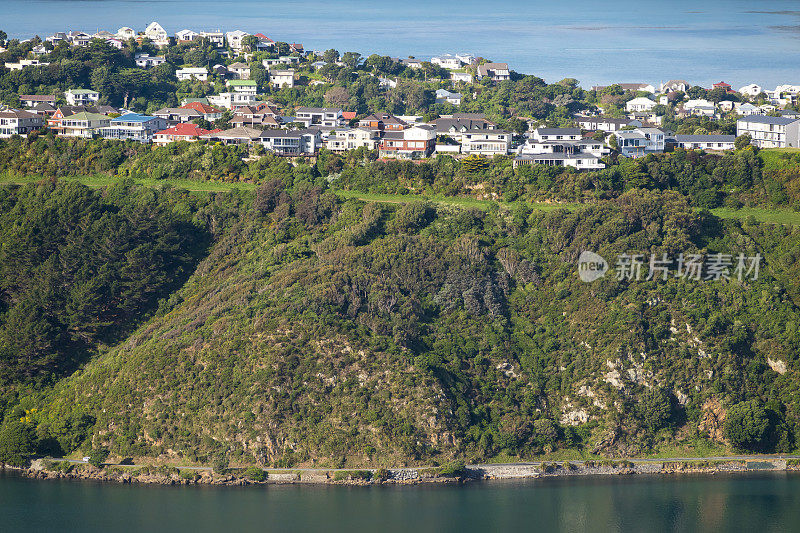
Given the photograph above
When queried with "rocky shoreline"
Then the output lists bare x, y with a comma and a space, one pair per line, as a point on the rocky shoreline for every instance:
166, 475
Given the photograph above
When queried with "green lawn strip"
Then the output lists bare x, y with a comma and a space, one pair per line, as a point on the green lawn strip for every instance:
769, 215
445, 200
103, 180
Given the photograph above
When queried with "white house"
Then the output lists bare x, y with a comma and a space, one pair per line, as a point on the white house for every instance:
188, 73
640, 141
447, 61
640, 104
443, 96
81, 97
705, 142
217, 38
486, 142
352, 138
282, 78
674, 86
495, 71
134, 127
240, 71
770, 132
751, 90
556, 134
465, 77
746, 109
186, 36
22, 63
232, 100
126, 33
331, 117
147, 61
18, 122
157, 34
243, 86
234, 38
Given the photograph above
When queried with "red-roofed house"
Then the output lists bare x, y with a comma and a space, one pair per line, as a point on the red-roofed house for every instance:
181, 132
348, 115
210, 113
264, 42
722, 85
297, 47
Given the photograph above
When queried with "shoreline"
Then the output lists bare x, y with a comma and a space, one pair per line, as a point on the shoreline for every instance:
164, 475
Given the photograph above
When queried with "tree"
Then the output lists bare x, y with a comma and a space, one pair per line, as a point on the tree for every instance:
330, 56
250, 42
351, 59
742, 141
220, 464
747, 426
16, 443
654, 409
97, 456
337, 96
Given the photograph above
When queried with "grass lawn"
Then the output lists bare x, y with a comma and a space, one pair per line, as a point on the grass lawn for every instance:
445, 200
779, 158
771, 216
102, 180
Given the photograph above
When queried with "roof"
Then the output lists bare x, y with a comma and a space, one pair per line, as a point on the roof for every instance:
444, 124
762, 119
202, 107
239, 132
184, 111
560, 156
133, 117
82, 91
239, 65
318, 110
242, 83
87, 116
186, 130
17, 113
558, 131
705, 138
37, 97
348, 115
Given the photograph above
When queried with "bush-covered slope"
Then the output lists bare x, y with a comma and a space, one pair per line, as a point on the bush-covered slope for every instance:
330, 333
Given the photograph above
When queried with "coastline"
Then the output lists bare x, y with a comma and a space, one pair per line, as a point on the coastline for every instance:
164, 475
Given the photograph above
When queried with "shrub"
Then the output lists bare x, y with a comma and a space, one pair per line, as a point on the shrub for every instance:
16, 443
747, 426
253, 473
97, 456
220, 465
452, 469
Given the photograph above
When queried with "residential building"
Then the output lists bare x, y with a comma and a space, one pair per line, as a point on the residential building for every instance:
83, 124
411, 63
382, 122
291, 142
243, 86
722, 85
157, 34
579, 160
116, 43
189, 73
704, 142
411, 143
238, 135
606, 124
134, 127
186, 36
640, 141
264, 43
181, 132
448, 61
259, 115
22, 63
556, 134
633, 87
751, 90
486, 142
126, 33
234, 39
443, 96
30, 100
351, 139
640, 104
770, 132
673, 86
232, 100
495, 71
320, 116
178, 114
208, 112
217, 38
18, 122
81, 96
465, 77
746, 109
147, 61
282, 78
240, 71
460, 124
78, 38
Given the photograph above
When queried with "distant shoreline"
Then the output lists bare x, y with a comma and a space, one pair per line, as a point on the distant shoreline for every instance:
164, 475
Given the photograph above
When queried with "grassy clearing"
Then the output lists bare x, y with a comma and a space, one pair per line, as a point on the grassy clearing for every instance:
768, 215
446, 200
103, 180
779, 158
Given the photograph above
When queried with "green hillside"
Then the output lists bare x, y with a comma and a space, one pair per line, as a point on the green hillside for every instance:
317, 330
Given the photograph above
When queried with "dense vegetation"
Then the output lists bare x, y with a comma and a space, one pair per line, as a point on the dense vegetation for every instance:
342, 333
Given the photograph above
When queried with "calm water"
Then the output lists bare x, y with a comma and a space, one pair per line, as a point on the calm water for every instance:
762, 503
596, 41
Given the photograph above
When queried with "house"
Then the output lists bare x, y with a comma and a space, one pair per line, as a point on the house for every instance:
58, 37
751, 90
178, 114
495, 71
134, 127
243, 86
238, 135
411, 143
789, 113
556, 134
465, 77
189, 73
386, 83
459, 125
208, 112
297, 48
44, 109
674, 86
645, 117
260, 115
704, 142
606, 124
722, 85
264, 43
583, 154
30, 100
217, 38
37, 50
18, 122
291, 142
443, 96
115, 43
157, 34
351, 139
577, 160
282, 78
320, 116
448, 61
232, 100
78, 38
181, 132
746, 109
126, 33
22, 63
770, 132
81, 96
640, 104
147, 61
640, 141
186, 36
240, 71
411, 63
234, 39
632, 87
382, 122
486, 142
83, 124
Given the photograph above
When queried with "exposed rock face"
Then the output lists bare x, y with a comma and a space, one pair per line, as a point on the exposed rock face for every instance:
777, 365
713, 419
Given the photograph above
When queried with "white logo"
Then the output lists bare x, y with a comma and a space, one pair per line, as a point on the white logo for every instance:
591, 266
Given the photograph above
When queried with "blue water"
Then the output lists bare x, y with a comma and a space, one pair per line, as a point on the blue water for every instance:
596, 41
760, 503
